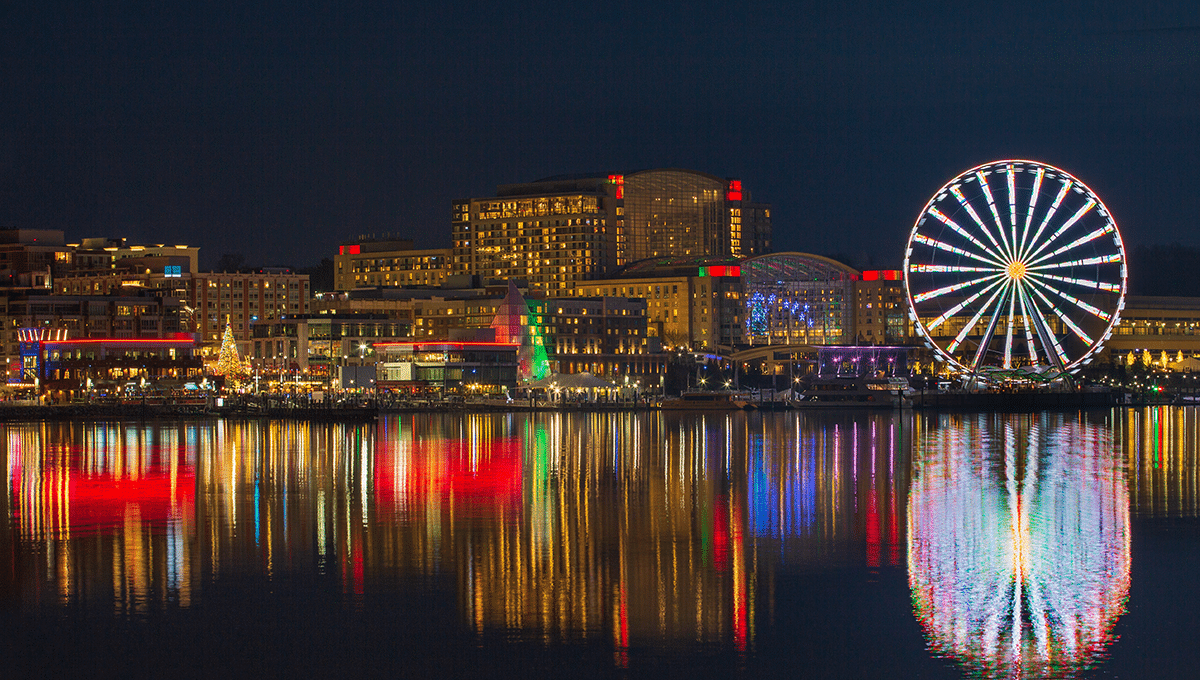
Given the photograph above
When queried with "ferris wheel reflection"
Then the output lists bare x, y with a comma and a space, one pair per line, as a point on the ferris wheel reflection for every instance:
1018, 548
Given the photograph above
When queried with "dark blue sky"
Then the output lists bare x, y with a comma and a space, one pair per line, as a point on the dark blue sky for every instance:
279, 129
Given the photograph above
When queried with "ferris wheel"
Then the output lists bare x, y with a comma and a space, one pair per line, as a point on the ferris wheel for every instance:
1015, 264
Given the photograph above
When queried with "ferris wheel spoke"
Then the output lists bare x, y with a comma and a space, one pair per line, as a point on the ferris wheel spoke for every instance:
1091, 203
963, 305
1008, 337
1033, 198
987, 193
1012, 206
1029, 343
1094, 311
990, 331
1100, 259
1086, 283
941, 217
922, 297
941, 245
966, 329
1065, 319
1087, 238
962, 200
1042, 326
947, 268
1062, 193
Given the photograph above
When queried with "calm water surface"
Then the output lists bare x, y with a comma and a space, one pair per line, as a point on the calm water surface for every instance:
839, 545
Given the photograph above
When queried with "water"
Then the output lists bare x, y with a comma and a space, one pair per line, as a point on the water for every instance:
839, 545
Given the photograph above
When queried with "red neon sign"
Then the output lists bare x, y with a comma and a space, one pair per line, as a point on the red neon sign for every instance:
735, 190
619, 182
353, 250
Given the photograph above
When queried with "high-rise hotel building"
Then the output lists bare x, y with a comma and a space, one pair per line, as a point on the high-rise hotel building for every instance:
563, 230
551, 232
683, 213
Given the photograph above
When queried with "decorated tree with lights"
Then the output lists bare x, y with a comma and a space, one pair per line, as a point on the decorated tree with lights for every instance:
229, 363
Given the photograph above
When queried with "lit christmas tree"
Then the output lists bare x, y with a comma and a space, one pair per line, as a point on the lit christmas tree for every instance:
229, 363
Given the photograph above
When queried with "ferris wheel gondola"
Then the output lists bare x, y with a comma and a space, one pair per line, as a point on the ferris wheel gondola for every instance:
1014, 264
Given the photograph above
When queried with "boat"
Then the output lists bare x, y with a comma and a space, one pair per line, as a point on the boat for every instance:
708, 400
855, 393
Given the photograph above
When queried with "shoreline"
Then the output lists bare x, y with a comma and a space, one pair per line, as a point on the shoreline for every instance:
928, 402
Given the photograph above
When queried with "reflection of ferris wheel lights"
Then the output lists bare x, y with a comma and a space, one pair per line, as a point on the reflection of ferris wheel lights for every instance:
1020, 565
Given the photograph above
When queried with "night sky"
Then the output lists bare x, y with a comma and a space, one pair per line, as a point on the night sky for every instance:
277, 130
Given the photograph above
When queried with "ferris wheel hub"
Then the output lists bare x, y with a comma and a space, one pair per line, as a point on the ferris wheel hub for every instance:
1016, 270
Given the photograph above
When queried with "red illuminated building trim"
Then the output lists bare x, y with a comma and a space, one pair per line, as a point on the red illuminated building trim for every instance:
446, 345
882, 275
352, 250
179, 342
721, 270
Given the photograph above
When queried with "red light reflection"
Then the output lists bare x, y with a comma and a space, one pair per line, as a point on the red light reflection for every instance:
481, 478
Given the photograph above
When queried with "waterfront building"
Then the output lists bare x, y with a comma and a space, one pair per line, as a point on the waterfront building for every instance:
691, 302
313, 344
799, 298
880, 308
669, 306
103, 253
1156, 324
673, 213
551, 232
69, 368
561, 231
32, 258
84, 316
605, 336
391, 263
448, 367
431, 314
208, 299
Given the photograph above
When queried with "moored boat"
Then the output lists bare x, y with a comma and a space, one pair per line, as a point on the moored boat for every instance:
855, 393
708, 400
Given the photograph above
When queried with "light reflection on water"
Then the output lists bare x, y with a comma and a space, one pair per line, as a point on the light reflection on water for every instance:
1019, 550
628, 531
